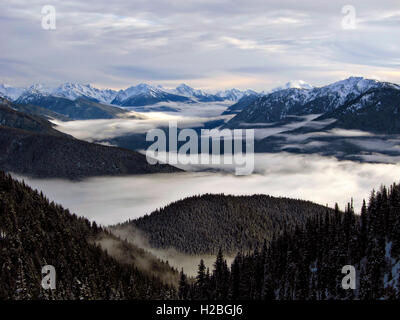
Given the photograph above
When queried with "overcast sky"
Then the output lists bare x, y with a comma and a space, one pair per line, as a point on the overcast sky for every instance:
207, 44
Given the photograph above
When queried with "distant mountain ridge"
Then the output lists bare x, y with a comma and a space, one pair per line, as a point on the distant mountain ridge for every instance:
144, 94
252, 96
196, 94
241, 104
73, 91
281, 104
9, 92
376, 110
79, 109
138, 95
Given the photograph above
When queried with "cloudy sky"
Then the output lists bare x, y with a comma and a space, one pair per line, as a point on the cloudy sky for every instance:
256, 44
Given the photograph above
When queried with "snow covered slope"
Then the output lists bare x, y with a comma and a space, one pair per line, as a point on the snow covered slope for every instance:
303, 101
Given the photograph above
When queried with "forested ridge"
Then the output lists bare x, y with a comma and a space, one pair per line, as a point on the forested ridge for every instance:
203, 224
305, 262
35, 233
302, 259
30, 146
12, 118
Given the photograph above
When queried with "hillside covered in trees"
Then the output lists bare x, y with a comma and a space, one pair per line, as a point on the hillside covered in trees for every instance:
35, 233
29, 145
12, 118
304, 262
301, 259
203, 224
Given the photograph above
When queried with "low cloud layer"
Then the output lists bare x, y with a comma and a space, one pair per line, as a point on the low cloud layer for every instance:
176, 259
319, 179
189, 116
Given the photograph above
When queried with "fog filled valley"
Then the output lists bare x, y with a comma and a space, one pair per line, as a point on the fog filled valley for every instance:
108, 201
196, 229
111, 200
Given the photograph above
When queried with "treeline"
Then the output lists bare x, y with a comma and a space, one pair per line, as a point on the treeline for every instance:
203, 224
35, 233
305, 262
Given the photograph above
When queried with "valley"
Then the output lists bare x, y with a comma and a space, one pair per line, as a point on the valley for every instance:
88, 155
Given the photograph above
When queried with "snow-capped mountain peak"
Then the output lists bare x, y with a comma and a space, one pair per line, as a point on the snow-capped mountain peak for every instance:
277, 105
73, 91
298, 84
39, 88
34, 92
234, 94
185, 90
294, 84
10, 92
67, 90
141, 88
145, 94
348, 88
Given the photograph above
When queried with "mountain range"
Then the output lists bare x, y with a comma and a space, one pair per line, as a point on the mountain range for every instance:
281, 104
144, 94
295, 117
138, 95
81, 108
355, 119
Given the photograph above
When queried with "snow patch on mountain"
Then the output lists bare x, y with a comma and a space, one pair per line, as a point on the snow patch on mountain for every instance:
279, 104
67, 90
10, 92
298, 84
234, 94
73, 91
185, 90
140, 89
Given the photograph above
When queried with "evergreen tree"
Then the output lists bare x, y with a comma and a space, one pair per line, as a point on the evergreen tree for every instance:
183, 290
201, 282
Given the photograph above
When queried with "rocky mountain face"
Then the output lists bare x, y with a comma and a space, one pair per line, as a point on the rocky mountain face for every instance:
73, 91
242, 103
9, 92
144, 94
279, 105
194, 94
377, 111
